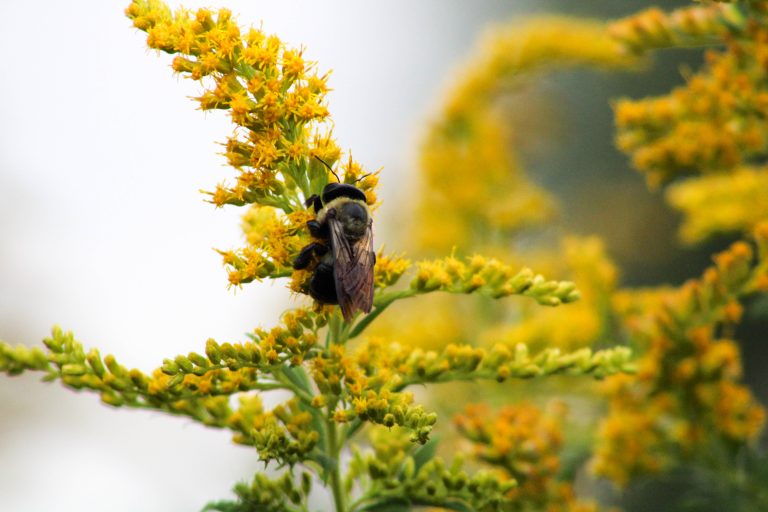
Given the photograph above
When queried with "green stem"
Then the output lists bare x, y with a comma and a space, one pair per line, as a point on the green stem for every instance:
334, 450
286, 382
360, 501
333, 336
382, 303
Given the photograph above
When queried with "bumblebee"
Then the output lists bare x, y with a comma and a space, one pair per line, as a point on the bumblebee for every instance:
344, 228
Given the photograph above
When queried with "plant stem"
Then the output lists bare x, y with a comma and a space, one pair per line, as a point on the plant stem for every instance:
334, 450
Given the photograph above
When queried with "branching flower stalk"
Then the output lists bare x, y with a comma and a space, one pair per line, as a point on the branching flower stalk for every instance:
340, 379
350, 383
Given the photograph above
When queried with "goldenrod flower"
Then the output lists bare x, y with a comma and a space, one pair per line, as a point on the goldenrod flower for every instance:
525, 442
721, 203
654, 28
712, 124
687, 396
276, 100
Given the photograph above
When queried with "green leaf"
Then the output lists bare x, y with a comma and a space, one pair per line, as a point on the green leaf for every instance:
297, 377
353, 427
221, 506
425, 453
328, 464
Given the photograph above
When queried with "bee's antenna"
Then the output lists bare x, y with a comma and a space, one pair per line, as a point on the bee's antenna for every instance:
361, 178
329, 168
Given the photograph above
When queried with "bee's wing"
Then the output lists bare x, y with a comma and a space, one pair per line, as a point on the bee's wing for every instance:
353, 269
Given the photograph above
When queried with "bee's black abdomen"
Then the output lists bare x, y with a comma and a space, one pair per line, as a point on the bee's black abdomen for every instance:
322, 286
336, 190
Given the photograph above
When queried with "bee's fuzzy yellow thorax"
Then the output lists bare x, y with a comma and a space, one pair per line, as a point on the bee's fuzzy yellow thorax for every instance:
322, 214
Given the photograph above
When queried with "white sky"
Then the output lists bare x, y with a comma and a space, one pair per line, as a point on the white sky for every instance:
103, 230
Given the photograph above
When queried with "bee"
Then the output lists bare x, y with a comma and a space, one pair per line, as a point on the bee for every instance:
344, 228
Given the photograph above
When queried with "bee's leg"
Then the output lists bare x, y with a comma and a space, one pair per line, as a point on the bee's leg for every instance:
318, 230
305, 256
315, 202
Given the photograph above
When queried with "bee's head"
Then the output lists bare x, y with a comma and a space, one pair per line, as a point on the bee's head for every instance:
335, 190
353, 217
347, 204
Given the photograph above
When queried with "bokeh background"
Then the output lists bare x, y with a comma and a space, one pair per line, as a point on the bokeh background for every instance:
103, 229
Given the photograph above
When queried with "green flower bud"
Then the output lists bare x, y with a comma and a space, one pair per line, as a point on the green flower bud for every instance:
139, 379
175, 381
96, 364
212, 351
391, 483
184, 363
228, 350
112, 398
255, 354
55, 343
114, 368
169, 367
198, 360
528, 371
73, 369
376, 469
306, 483
521, 353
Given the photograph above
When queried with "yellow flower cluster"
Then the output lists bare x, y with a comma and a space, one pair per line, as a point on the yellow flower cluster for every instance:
474, 189
721, 204
277, 103
367, 384
686, 398
519, 439
514, 49
396, 366
524, 442
654, 28
273, 97
473, 186
631, 441
473, 275
198, 388
712, 124
292, 343
389, 269
350, 390
273, 239
492, 278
